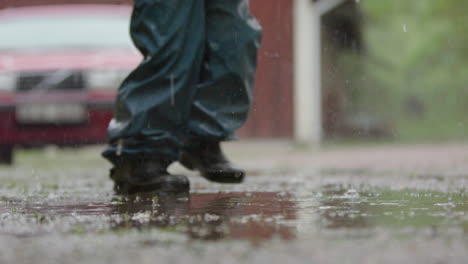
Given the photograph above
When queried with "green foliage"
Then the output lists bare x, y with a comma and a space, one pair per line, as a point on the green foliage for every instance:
415, 70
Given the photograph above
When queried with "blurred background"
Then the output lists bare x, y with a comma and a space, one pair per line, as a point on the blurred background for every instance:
387, 71
407, 80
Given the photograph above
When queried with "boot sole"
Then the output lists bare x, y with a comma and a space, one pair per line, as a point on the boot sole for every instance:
224, 177
215, 176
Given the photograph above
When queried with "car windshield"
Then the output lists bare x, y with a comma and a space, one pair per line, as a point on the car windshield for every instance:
65, 32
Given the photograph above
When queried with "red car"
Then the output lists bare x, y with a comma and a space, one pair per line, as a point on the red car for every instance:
60, 67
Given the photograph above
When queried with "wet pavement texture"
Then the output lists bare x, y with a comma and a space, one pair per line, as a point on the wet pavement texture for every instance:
298, 206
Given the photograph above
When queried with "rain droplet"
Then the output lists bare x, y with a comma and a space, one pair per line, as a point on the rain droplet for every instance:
172, 90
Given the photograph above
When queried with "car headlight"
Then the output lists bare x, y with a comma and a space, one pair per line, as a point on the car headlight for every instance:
7, 82
111, 79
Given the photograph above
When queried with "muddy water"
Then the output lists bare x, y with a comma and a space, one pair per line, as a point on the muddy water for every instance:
255, 216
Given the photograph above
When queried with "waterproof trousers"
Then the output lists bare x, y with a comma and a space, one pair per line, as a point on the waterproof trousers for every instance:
195, 82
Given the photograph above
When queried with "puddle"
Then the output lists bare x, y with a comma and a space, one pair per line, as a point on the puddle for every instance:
408, 208
254, 216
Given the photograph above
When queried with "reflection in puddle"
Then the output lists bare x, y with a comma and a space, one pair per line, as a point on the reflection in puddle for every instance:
247, 216
253, 216
211, 216
369, 207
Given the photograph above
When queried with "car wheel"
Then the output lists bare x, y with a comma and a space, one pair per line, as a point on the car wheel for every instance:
6, 154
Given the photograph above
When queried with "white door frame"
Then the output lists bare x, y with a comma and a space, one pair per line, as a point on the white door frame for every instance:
307, 68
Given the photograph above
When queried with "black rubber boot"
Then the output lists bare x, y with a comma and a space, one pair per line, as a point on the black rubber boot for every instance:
132, 177
210, 161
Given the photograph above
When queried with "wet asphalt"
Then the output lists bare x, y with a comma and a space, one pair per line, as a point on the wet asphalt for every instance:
353, 204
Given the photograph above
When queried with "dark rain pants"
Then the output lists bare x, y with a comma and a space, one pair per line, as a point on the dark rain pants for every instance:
195, 82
